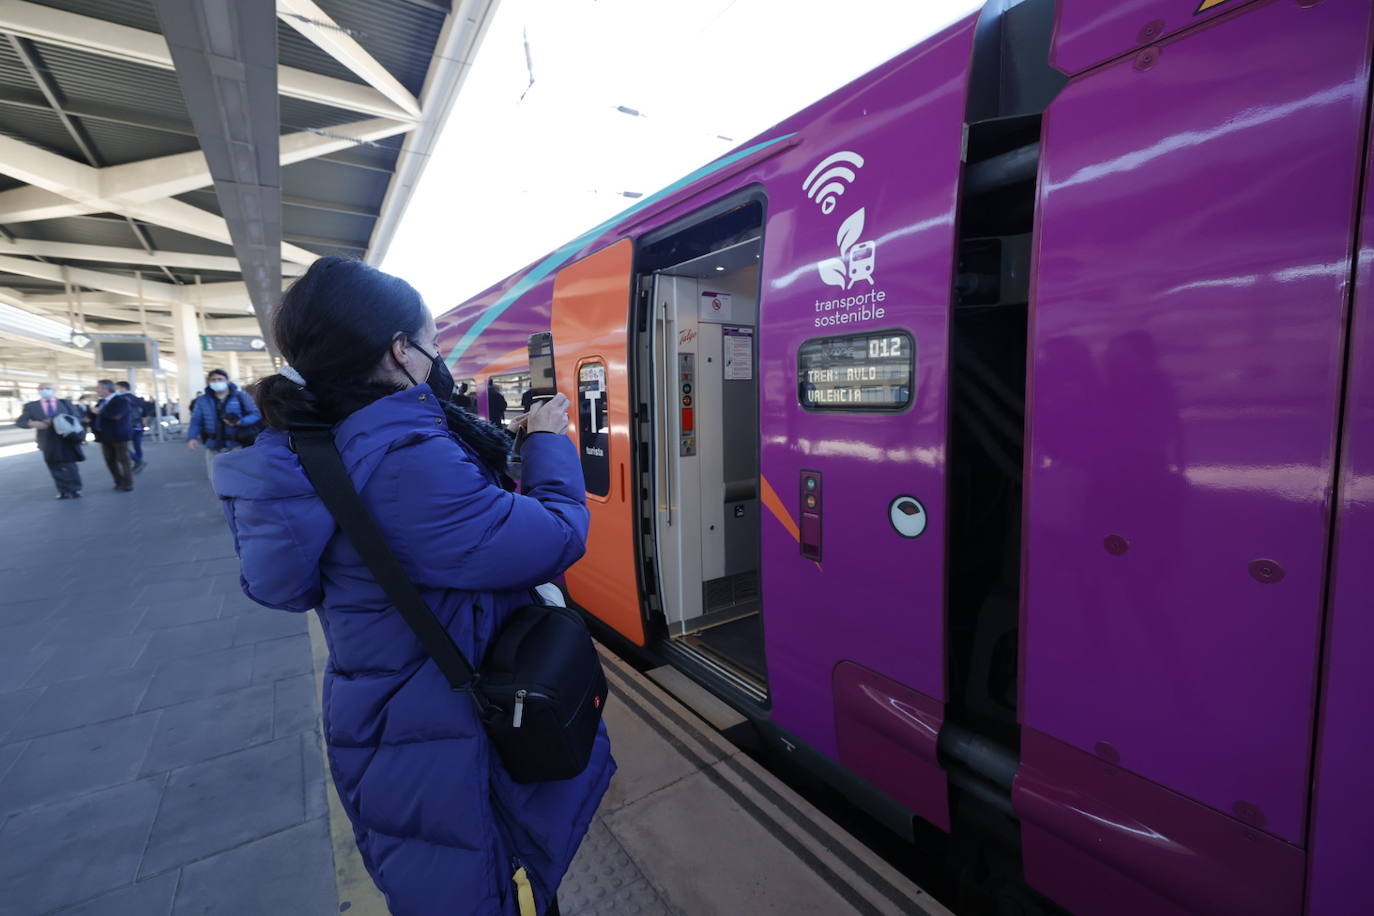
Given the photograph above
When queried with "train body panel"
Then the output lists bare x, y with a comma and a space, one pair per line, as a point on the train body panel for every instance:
591, 307
1133, 686
875, 598
1188, 322
1343, 794
1089, 32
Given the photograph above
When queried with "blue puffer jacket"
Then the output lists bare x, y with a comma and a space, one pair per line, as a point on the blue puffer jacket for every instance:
205, 422
441, 826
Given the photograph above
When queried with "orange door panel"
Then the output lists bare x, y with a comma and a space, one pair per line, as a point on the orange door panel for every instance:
591, 308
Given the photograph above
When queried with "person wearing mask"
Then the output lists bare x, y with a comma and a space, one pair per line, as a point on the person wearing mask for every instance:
139, 408
112, 423
60, 453
218, 415
440, 824
496, 403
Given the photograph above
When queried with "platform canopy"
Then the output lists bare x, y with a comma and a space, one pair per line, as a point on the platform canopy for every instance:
165, 164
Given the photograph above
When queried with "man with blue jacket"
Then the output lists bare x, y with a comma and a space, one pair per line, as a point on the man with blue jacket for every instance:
112, 423
222, 418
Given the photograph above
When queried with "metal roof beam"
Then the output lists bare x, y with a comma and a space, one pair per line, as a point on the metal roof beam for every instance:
178, 173
45, 344
153, 290
78, 252
316, 25
82, 185
167, 176
226, 64
24, 50
327, 243
449, 66
72, 30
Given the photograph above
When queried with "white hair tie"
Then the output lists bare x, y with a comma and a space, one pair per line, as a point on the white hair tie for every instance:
291, 375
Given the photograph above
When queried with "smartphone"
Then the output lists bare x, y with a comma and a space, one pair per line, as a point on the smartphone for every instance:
543, 382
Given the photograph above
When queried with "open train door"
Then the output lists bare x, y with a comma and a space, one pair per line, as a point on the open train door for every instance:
591, 307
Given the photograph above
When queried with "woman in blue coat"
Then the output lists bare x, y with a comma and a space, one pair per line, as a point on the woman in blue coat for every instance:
441, 826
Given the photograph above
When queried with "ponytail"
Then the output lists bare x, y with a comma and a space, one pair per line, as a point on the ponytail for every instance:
334, 326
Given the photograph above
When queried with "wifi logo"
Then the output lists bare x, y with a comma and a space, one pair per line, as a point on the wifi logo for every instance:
829, 180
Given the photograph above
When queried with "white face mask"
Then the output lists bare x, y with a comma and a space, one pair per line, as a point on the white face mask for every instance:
219, 386
45, 392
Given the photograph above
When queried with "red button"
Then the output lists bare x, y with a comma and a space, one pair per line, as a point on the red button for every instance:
686, 419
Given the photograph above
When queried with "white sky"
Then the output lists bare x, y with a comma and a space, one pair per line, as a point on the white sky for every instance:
511, 180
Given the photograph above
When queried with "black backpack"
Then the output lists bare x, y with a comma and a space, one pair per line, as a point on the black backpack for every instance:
541, 689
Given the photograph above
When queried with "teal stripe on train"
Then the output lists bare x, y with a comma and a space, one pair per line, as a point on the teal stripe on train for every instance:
564, 254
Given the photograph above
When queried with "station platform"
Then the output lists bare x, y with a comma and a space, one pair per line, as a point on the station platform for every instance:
160, 743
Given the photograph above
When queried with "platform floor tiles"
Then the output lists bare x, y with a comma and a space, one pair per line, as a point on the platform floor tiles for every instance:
158, 732
160, 751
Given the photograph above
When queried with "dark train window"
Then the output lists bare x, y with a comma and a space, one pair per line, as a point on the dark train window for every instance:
857, 372
510, 386
593, 427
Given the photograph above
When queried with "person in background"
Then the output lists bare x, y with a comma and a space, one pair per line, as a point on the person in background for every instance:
441, 826
215, 415
496, 403
60, 453
140, 410
463, 399
112, 423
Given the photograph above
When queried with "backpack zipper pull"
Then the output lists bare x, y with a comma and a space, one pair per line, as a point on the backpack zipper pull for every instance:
519, 708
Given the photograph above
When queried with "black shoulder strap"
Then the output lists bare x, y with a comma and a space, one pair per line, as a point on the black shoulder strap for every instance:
326, 470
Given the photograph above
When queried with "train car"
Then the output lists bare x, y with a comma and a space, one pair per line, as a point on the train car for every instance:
997, 433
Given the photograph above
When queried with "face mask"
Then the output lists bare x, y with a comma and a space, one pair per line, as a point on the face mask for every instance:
45, 392
440, 379
219, 386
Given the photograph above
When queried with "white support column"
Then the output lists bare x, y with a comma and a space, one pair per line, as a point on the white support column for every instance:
190, 368
234, 368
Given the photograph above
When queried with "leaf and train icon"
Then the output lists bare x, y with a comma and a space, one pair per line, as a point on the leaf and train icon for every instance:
825, 185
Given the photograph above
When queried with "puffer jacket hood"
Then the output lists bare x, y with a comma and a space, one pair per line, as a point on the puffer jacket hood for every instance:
285, 525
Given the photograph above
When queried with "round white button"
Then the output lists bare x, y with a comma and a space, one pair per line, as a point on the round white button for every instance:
908, 516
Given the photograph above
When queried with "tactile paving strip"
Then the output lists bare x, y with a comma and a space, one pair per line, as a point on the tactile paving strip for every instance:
604, 881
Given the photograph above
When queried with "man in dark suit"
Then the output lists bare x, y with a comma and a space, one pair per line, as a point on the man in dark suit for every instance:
496, 403
112, 422
60, 453
139, 409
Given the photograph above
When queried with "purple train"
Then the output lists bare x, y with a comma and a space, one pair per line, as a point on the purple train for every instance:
997, 435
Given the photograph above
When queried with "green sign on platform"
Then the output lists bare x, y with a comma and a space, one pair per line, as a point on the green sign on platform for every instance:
243, 342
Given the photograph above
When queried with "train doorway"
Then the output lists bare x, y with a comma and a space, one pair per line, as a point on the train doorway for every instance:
703, 480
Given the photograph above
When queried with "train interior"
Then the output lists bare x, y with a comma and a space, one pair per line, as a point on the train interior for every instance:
699, 342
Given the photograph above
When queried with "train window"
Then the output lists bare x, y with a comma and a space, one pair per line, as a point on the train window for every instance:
857, 372
510, 386
593, 426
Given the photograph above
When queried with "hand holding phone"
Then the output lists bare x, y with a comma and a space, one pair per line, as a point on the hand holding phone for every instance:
549, 416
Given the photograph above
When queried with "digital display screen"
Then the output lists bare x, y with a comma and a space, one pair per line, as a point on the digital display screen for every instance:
857, 372
122, 351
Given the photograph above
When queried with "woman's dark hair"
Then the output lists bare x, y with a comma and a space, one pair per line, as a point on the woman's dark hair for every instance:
334, 325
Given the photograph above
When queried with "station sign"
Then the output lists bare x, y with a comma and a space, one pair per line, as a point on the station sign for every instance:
240, 342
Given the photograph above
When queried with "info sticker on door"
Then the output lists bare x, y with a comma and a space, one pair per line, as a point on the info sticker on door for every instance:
715, 307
